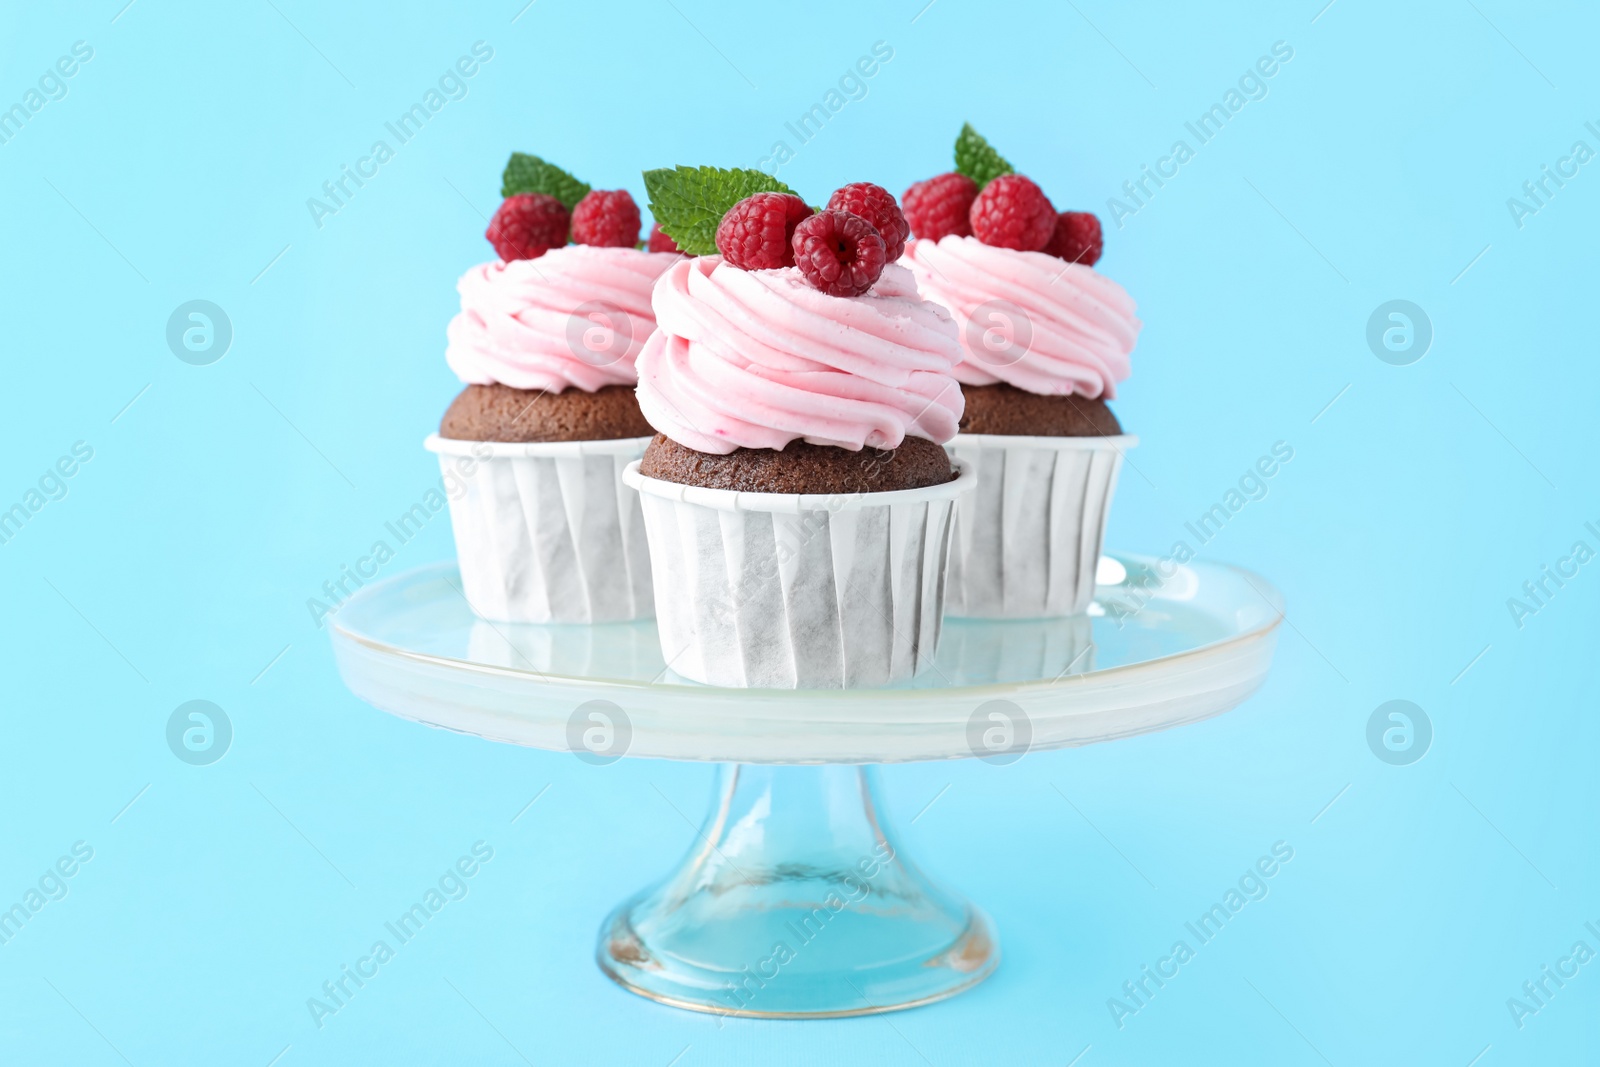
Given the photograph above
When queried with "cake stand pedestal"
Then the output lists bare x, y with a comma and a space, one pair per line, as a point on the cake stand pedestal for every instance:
795, 900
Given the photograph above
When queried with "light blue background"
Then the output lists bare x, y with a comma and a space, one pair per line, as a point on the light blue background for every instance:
178, 566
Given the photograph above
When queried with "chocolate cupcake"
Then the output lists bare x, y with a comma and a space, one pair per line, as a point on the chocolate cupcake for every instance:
797, 498
1045, 340
536, 441
801, 467
497, 412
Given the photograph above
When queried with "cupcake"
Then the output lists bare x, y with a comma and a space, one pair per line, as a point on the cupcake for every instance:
797, 496
1045, 340
535, 443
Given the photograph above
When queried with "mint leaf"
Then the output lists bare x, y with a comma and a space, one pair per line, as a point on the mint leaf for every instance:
689, 202
530, 174
976, 159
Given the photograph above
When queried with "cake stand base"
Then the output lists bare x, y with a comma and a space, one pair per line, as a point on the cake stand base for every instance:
795, 902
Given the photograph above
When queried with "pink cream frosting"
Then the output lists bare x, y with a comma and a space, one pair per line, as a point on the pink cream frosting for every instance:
756, 359
1029, 319
576, 317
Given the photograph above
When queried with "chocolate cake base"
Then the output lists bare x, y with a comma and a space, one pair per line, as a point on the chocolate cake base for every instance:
1005, 409
501, 413
801, 467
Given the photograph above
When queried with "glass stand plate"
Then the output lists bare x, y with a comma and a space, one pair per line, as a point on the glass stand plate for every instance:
794, 901
1154, 652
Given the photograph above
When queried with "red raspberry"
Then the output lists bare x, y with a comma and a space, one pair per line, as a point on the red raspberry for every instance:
1077, 238
940, 206
875, 204
1013, 212
839, 253
757, 232
660, 241
527, 226
606, 219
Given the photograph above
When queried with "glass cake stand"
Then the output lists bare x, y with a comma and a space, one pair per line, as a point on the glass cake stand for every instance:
794, 900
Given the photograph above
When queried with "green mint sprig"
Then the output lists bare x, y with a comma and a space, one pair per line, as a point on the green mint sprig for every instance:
977, 159
530, 174
689, 202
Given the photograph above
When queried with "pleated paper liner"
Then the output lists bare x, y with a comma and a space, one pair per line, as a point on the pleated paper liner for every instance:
799, 591
547, 532
1027, 542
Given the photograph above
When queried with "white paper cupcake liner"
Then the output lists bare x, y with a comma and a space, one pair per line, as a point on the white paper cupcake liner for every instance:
799, 591
547, 532
1027, 542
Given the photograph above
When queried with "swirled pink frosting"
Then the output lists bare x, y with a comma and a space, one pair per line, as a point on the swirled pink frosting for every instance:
756, 359
1076, 327
575, 317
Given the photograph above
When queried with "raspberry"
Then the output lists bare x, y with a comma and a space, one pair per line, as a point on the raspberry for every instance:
660, 242
757, 232
940, 206
839, 253
606, 219
875, 204
1077, 238
527, 226
1013, 212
